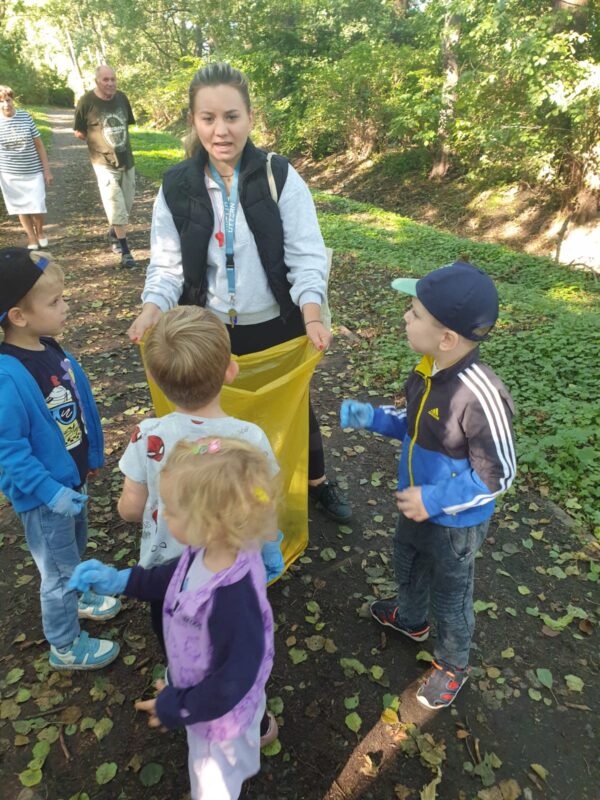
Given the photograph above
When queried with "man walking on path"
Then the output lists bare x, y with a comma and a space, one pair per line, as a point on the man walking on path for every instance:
102, 118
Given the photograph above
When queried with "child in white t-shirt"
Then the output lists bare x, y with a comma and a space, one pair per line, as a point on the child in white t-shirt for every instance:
188, 355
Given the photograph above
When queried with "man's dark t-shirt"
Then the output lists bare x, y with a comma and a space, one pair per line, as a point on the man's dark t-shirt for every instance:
52, 372
105, 124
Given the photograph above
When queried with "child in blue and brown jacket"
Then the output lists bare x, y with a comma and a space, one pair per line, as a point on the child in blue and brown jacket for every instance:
457, 457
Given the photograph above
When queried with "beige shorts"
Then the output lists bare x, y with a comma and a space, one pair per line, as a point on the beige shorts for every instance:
117, 188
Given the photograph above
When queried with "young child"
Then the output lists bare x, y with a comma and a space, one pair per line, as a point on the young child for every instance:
457, 456
188, 355
219, 499
50, 439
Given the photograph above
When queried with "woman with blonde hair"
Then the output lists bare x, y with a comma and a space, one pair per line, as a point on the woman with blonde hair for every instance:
235, 230
24, 169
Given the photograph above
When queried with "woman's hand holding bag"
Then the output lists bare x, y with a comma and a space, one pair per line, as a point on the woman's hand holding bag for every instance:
149, 316
318, 334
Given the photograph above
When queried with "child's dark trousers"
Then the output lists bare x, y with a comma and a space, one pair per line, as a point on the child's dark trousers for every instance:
436, 565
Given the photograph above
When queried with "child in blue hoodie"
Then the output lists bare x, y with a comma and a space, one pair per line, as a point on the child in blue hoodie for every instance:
50, 439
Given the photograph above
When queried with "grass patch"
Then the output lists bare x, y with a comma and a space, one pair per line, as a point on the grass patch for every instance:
154, 152
43, 124
543, 348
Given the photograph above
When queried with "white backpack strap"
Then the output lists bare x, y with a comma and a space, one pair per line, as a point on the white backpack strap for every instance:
325, 310
271, 178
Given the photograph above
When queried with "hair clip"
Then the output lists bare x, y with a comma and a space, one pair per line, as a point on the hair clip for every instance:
261, 495
200, 449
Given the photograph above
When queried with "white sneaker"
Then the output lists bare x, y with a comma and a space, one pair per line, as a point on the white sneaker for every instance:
43, 242
98, 607
85, 654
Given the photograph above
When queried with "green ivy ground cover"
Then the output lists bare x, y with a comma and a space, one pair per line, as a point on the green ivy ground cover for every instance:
545, 345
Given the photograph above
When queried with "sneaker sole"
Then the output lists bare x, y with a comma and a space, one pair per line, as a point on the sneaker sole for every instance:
271, 734
98, 617
425, 702
59, 667
420, 638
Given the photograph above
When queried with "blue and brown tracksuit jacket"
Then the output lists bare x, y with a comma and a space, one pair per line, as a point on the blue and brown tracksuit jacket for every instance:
457, 439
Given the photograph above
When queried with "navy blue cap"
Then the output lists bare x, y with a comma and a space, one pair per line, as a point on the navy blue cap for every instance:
20, 269
460, 296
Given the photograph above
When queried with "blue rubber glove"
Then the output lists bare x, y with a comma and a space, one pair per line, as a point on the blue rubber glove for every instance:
356, 415
99, 577
273, 558
67, 502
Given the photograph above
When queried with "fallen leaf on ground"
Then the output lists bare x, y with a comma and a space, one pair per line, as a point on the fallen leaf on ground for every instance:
429, 792
539, 770
389, 717
353, 721
106, 772
574, 683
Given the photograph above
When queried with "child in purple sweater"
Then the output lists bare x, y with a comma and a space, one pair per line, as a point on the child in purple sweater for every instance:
220, 501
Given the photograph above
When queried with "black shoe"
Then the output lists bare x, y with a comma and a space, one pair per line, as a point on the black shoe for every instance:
128, 261
115, 245
331, 500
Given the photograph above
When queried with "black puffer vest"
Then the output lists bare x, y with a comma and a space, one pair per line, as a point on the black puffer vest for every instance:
187, 197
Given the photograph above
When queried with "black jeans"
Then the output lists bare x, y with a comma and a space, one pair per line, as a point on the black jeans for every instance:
247, 339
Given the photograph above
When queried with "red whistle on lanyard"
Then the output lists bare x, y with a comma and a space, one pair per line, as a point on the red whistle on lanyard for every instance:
220, 237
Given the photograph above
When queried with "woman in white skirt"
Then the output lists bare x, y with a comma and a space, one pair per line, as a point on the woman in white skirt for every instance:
24, 169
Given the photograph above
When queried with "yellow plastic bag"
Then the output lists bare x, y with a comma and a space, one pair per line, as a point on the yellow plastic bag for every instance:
271, 390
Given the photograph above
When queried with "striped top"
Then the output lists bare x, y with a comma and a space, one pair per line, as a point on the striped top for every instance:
18, 154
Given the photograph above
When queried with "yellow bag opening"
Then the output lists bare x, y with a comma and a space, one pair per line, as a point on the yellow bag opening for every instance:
271, 390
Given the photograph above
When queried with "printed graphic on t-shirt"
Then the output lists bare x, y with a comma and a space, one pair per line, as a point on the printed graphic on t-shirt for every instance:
69, 376
13, 141
114, 128
63, 409
150, 444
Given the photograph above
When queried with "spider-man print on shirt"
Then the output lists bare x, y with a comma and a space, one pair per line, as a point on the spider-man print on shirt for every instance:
136, 435
155, 448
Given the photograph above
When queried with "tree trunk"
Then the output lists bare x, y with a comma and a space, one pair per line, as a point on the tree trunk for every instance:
578, 9
587, 185
400, 7
450, 38
584, 188
74, 59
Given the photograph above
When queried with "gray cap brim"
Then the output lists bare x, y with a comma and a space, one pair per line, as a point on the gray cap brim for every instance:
406, 285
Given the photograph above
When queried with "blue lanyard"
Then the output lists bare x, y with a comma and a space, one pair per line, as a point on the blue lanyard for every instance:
230, 204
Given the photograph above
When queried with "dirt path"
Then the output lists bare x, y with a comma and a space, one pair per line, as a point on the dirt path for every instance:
505, 720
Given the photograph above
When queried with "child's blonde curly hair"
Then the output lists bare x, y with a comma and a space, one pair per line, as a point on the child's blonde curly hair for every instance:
226, 489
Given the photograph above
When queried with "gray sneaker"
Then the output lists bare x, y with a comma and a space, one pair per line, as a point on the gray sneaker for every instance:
328, 497
441, 687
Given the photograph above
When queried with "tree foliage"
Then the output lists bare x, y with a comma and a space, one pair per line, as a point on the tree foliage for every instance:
36, 82
500, 89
